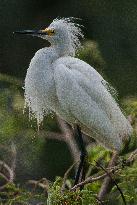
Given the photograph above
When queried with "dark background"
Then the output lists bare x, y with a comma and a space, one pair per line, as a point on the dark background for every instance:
112, 24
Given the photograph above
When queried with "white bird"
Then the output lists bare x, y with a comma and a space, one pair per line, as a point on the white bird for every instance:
58, 82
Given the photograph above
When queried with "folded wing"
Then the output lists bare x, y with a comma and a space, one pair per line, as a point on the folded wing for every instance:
89, 102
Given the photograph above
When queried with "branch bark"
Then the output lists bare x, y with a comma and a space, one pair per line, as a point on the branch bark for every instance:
108, 183
69, 139
110, 170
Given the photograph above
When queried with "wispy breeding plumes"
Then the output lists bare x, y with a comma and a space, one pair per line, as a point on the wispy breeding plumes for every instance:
60, 83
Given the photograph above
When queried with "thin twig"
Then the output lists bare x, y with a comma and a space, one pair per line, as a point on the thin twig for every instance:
90, 180
132, 157
107, 183
52, 135
6, 168
4, 177
114, 181
99, 200
65, 176
8, 174
69, 139
43, 183
109, 170
13, 161
6, 180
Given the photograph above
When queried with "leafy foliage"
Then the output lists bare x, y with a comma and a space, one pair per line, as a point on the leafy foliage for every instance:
56, 197
130, 106
91, 54
13, 195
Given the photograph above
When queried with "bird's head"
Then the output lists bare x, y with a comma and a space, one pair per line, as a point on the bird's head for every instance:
61, 32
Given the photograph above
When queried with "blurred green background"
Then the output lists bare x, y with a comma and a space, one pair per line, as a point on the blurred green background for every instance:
110, 45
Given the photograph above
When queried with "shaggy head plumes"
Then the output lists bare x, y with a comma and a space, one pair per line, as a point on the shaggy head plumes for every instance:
66, 34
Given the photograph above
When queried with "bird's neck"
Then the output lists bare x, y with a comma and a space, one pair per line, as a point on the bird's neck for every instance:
63, 49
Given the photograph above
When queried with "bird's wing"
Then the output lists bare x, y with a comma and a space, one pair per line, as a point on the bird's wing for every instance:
75, 96
88, 71
92, 83
102, 93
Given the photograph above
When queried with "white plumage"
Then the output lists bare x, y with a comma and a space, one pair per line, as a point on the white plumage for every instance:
57, 82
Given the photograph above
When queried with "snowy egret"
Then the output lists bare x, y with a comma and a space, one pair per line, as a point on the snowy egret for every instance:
58, 82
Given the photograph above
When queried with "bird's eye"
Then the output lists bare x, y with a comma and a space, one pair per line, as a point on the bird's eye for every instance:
52, 31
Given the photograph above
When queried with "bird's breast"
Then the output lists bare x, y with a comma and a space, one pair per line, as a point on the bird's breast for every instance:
40, 85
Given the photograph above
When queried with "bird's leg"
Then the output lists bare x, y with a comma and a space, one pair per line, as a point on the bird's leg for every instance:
81, 168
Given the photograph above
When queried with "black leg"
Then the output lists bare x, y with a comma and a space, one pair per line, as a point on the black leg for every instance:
81, 169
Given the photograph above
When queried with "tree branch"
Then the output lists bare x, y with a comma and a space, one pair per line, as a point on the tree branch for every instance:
69, 139
43, 183
91, 180
107, 183
114, 181
52, 135
65, 177
110, 170
8, 171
